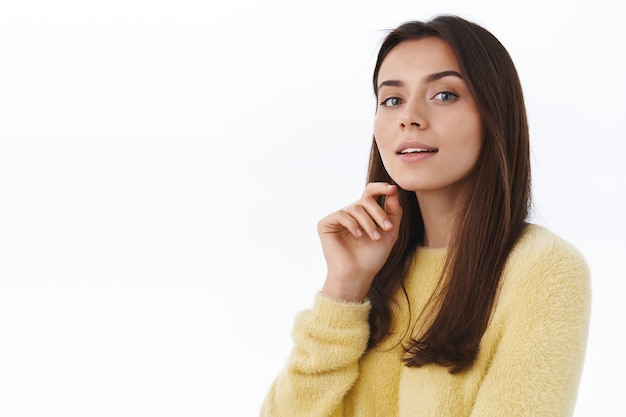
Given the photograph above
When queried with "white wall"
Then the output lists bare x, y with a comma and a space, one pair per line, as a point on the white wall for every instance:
163, 165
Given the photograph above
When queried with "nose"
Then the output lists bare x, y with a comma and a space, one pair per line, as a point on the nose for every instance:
404, 125
412, 116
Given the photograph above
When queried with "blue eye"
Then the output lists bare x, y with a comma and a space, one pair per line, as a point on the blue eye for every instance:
391, 102
445, 96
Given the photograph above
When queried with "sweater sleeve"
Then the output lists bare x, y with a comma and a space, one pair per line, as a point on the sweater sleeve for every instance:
329, 340
536, 368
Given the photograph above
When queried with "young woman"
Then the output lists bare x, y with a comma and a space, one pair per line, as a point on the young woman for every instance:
440, 300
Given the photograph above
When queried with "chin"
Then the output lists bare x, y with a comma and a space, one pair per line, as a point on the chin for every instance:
406, 181
408, 185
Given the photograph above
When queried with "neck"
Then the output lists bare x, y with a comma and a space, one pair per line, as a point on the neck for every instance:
439, 214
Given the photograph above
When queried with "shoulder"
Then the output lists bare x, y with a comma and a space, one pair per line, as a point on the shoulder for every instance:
542, 261
537, 247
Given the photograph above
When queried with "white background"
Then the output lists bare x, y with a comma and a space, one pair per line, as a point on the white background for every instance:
163, 165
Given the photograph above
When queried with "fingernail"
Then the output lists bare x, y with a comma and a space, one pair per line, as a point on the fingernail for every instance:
387, 224
359, 233
376, 235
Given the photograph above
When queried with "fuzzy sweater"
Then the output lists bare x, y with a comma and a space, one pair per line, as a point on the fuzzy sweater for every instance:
529, 361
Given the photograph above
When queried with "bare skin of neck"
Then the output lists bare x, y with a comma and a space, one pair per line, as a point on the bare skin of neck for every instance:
438, 210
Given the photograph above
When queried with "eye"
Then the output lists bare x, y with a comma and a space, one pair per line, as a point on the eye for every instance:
445, 96
391, 102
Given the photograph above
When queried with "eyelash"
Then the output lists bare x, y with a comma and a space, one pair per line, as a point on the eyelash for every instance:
385, 104
450, 93
452, 96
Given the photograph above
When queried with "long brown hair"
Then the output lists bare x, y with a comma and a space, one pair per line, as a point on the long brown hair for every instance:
492, 215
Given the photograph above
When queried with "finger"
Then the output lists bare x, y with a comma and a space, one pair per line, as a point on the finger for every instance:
377, 213
377, 189
365, 220
340, 221
392, 205
392, 212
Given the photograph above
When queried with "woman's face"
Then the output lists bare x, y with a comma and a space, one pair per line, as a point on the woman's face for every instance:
427, 127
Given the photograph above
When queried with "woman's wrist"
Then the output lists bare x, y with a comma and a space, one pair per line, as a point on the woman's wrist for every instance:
345, 291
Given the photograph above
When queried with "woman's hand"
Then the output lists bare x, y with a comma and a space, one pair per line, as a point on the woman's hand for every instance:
357, 240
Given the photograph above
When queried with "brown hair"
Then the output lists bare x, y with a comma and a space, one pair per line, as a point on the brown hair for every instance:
492, 215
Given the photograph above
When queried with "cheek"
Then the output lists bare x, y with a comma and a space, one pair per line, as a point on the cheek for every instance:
473, 146
377, 126
478, 138
469, 134
381, 132
475, 127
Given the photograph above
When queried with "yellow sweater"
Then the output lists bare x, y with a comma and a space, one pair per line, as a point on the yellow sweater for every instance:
529, 361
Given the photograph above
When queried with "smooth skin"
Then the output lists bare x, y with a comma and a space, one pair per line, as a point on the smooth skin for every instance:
357, 240
429, 133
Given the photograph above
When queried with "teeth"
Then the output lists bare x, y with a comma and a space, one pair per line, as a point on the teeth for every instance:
414, 150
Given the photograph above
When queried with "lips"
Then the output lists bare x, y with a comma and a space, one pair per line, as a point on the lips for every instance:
416, 150
407, 148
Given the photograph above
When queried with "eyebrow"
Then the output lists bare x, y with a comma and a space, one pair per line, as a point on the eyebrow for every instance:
429, 79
